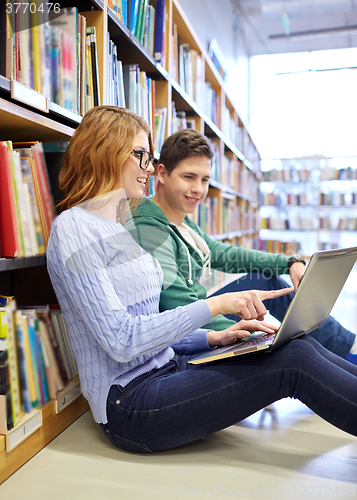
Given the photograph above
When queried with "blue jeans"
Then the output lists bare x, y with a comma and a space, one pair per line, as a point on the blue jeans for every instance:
331, 334
180, 403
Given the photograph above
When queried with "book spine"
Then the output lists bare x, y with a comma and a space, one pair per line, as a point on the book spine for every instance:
159, 29
24, 377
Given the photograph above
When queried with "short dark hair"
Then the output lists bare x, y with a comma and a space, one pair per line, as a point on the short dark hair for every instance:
184, 144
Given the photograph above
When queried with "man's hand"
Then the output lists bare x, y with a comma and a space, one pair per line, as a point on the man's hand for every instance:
296, 272
240, 330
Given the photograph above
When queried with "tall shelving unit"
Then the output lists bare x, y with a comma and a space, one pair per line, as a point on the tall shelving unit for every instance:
309, 202
235, 195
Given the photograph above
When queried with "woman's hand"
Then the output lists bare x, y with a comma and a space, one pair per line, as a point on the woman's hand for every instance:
246, 305
296, 272
240, 330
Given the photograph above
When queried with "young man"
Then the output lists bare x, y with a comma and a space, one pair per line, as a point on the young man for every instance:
162, 227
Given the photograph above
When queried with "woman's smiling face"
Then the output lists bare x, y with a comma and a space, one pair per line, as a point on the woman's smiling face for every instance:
133, 178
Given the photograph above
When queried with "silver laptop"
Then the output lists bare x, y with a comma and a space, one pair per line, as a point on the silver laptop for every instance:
312, 303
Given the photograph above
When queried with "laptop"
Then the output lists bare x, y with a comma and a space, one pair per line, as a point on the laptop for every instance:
312, 303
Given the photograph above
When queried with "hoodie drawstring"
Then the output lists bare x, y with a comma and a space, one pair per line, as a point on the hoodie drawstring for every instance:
206, 260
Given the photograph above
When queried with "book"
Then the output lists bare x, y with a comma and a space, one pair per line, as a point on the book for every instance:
23, 368
91, 32
138, 21
3, 37
35, 227
28, 361
5, 381
82, 25
52, 347
44, 391
20, 201
124, 10
41, 184
160, 126
121, 91
8, 330
140, 28
130, 82
133, 14
159, 30
9, 222
61, 334
89, 99
151, 30
34, 358
54, 383
67, 25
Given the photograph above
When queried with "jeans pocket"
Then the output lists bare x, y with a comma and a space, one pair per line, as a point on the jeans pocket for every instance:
117, 393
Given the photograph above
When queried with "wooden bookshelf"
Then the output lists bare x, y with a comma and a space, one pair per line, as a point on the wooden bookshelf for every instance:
21, 121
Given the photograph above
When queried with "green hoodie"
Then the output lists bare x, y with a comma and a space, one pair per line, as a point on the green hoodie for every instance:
182, 265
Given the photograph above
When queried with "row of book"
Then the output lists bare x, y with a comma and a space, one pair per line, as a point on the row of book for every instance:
190, 72
231, 129
248, 184
36, 360
26, 203
231, 216
336, 198
212, 104
206, 216
292, 173
180, 120
342, 224
187, 67
160, 121
278, 246
54, 54
145, 21
341, 174
284, 199
229, 174
298, 173
234, 218
232, 173
250, 218
130, 87
115, 78
152, 186
294, 222
139, 92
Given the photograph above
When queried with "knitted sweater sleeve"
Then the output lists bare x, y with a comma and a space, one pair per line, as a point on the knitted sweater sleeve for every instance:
99, 297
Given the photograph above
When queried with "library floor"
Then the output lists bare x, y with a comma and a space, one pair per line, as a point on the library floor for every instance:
284, 451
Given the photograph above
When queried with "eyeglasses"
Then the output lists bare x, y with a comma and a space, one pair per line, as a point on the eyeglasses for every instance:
141, 155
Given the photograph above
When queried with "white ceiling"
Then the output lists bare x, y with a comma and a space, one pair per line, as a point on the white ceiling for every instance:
314, 25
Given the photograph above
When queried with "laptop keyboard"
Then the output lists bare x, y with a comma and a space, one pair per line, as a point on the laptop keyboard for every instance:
262, 339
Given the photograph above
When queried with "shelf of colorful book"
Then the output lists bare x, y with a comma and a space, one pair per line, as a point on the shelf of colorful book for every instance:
34, 56
134, 50
37, 367
183, 102
215, 96
303, 241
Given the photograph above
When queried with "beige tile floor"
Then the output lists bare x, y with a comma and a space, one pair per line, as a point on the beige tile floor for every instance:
284, 451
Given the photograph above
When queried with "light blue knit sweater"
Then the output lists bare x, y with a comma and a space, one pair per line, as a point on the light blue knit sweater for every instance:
108, 289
